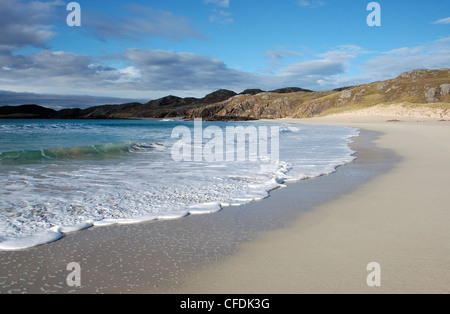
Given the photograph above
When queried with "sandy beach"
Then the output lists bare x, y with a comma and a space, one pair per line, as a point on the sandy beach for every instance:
399, 220
390, 206
159, 257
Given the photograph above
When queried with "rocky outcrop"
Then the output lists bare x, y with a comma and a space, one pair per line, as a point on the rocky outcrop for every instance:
252, 92
346, 94
340, 89
420, 73
218, 96
287, 90
432, 94
445, 89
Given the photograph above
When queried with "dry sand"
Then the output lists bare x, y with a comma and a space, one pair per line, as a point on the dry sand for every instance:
401, 112
400, 220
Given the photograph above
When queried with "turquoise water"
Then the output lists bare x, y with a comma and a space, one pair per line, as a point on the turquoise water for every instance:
60, 176
26, 139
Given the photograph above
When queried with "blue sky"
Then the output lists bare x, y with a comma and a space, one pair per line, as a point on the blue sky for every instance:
148, 49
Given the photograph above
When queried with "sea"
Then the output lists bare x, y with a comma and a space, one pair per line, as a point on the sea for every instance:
63, 176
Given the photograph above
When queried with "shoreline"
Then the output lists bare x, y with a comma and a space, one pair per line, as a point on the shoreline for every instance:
128, 258
314, 236
398, 219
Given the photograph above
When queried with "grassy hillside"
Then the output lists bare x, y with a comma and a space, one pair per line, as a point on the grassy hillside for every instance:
424, 88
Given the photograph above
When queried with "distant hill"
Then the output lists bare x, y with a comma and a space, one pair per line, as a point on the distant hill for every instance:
25, 111
169, 106
166, 107
413, 88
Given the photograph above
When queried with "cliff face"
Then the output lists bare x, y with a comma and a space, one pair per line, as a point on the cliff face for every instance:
414, 87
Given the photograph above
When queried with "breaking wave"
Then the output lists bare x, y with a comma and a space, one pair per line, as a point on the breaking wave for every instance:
83, 152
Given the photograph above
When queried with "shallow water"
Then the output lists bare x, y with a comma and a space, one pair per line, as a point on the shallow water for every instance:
61, 176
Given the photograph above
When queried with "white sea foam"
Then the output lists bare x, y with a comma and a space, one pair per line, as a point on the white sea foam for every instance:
77, 227
40, 203
36, 239
206, 208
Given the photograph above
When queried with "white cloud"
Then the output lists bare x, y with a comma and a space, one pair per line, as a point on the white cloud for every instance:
443, 21
166, 70
150, 73
279, 56
322, 71
57, 69
387, 67
352, 48
222, 17
221, 3
406, 51
129, 75
220, 14
310, 3
434, 55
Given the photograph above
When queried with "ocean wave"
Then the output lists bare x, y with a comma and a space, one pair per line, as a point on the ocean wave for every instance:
83, 152
290, 128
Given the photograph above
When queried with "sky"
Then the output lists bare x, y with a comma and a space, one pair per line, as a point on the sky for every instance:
149, 49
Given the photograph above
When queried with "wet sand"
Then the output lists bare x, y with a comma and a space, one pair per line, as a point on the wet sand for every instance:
170, 256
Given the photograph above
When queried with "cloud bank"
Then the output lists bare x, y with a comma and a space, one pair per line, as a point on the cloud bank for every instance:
152, 73
8, 98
